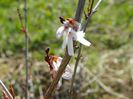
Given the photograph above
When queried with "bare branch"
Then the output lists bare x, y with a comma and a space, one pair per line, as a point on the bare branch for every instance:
89, 15
26, 47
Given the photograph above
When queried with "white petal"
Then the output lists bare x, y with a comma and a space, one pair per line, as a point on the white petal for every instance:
70, 45
84, 41
65, 41
60, 31
81, 39
68, 73
80, 34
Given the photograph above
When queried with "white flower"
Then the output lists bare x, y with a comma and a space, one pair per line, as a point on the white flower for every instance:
55, 62
71, 31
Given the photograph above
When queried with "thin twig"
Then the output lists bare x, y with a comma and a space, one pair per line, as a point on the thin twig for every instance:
90, 14
75, 69
66, 58
6, 90
91, 7
96, 6
26, 47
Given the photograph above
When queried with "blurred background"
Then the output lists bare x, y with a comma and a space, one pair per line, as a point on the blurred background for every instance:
105, 69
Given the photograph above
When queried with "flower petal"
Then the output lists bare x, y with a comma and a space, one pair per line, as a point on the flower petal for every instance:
84, 41
55, 66
68, 73
59, 84
70, 45
80, 34
60, 31
65, 36
81, 39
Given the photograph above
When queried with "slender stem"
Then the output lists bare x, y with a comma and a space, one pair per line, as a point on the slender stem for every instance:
26, 47
86, 22
6, 90
89, 16
90, 6
75, 69
96, 6
66, 58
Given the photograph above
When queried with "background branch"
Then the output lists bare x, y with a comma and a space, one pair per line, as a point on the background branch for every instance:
26, 47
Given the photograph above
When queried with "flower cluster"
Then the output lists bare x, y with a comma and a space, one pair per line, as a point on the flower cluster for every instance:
54, 64
71, 30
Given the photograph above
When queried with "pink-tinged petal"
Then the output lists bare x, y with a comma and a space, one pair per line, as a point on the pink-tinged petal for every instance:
70, 45
81, 39
5, 95
60, 31
60, 59
55, 66
59, 84
53, 73
68, 73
